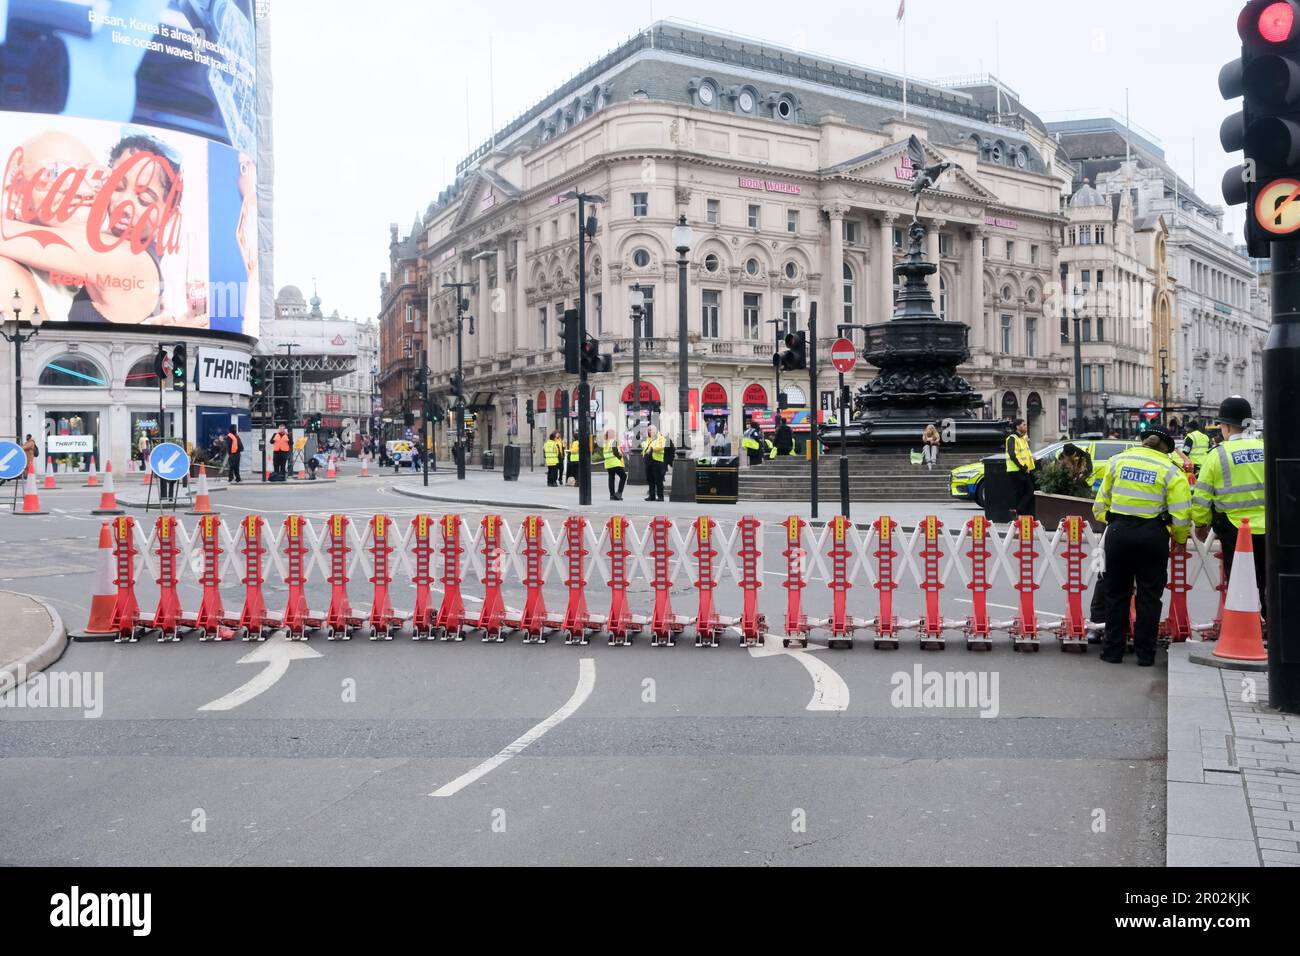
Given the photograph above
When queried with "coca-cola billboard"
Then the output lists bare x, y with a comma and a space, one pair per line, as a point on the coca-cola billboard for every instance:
127, 175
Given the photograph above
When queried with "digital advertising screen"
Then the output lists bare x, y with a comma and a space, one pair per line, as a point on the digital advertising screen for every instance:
128, 189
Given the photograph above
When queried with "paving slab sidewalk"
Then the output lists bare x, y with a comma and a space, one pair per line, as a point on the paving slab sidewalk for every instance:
33, 637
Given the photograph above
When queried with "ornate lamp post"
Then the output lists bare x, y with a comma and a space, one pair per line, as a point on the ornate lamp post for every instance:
19, 339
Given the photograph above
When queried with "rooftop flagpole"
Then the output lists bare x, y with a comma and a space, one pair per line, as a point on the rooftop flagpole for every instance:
902, 18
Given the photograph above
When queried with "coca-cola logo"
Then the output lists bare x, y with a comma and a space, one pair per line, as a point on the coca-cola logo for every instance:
118, 211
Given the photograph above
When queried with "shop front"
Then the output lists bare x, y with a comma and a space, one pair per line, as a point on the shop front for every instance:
717, 414
753, 400
651, 406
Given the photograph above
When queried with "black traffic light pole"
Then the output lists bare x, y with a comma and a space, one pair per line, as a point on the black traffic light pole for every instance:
1282, 466
185, 403
814, 404
584, 389
459, 390
425, 439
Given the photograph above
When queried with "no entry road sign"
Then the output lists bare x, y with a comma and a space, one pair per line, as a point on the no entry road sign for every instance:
844, 356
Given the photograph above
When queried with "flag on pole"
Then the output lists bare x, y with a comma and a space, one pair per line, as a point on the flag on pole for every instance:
902, 9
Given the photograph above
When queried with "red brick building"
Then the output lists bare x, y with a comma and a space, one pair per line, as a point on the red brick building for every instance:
402, 317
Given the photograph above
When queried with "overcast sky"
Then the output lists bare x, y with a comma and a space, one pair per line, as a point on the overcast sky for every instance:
376, 102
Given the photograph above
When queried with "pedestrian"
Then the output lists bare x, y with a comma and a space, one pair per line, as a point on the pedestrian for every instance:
615, 467
33, 452
1230, 489
233, 450
280, 453
783, 440
142, 447
1145, 500
574, 461
652, 451
930, 453
551, 453
1020, 466
1196, 445
752, 442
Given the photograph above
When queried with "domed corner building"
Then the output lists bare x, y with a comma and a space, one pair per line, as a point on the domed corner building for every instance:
793, 175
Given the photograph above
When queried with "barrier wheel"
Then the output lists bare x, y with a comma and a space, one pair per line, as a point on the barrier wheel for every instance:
329, 632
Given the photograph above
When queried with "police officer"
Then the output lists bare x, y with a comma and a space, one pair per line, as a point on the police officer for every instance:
1230, 487
615, 470
652, 451
1196, 444
551, 452
1143, 489
1020, 466
573, 461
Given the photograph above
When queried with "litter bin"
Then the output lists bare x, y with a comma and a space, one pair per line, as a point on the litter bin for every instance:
999, 489
635, 465
489, 459
510, 463
717, 480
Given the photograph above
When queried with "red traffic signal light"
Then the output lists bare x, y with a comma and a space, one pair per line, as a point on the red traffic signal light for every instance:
1275, 23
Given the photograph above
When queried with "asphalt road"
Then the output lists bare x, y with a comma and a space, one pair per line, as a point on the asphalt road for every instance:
633, 754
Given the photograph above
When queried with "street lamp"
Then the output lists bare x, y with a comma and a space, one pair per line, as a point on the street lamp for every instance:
1080, 305
682, 243
637, 301
1200, 397
586, 230
1164, 388
16, 306
1105, 414
462, 306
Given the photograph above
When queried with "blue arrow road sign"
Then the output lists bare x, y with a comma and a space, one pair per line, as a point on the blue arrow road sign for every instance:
13, 460
169, 462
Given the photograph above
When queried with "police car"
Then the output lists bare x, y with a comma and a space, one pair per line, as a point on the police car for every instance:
967, 481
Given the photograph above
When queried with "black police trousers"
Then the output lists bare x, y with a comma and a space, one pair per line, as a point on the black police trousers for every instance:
1137, 553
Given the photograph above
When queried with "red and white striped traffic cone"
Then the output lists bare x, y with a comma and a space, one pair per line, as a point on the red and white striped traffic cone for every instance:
1242, 635
329, 469
49, 472
202, 501
365, 466
31, 498
108, 498
92, 476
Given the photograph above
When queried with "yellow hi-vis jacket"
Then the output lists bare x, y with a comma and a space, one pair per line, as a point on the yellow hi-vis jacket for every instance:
1146, 484
551, 449
1019, 454
654, 447
1232, 481
613, 455
1197, 446
574, 451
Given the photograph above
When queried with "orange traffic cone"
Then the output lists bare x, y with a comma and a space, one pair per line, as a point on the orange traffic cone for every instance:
31, 500
329, 468
365, 466
104, 599
148, 475
108, 498
49, 472
202, 502
92, 477
1242, 636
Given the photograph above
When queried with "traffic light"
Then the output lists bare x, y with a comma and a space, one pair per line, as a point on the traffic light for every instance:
1267, 130
313, 423
592, 360
257, 374
178, 365
795, 355
435, 411
528, 413
569, 341
160, 364
422, 378
457, 383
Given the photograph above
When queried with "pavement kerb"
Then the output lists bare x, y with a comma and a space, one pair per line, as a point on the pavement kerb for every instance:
486, 502
48, 653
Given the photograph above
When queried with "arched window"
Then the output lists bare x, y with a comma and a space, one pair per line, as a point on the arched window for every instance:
943, 298
849, 297
142, 374
73, 371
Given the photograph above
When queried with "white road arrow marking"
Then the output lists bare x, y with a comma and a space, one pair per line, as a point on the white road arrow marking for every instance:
9, 457
586, 681
829, 690
277, 653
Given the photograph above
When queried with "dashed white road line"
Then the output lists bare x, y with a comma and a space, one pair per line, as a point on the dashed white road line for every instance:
829, 690
586, 681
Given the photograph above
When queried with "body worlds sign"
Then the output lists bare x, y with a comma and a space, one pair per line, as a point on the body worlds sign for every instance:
223, 370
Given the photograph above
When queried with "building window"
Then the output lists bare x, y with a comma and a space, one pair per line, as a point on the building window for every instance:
790, 312
648, 313
410, 314
752, 308
849, 302
1087, 379
984, 247
898, 239
792, 220
791, 270
752, 216
1006, 334
751, 267
542, 314
1085, 279
711, 262
1101, 335
850, 231
1101, 378
599, 301
1087, 330
711, 211
1101, 274
640, 204
943, 298
1099, 235
641, 258
1031, 336
1011, 251
1033, 255
710, 300
1085, 236
945, 244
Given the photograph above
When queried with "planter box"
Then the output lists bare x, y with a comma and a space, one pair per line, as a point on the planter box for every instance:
1051, 509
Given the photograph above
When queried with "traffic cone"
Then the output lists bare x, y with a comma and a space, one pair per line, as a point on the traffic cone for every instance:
92, 477
1242, 636
49, 472
104, 599
31, 500
329, 468
365, 466
202, 503
302, 468
108, 498
148, 475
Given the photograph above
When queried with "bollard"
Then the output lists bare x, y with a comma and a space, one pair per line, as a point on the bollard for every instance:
253, 620
1073, 629
422, 549
491, 616
620, 624
126, 612
932, 623
796, 622
1024, 629
167, 616
841, 623
753, 623
339, 619
664, 626
382, 618
707, 624
1177, 626
450, 623
576, 621
887, 622
210, 620
296, 617
977, 625
532, 621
